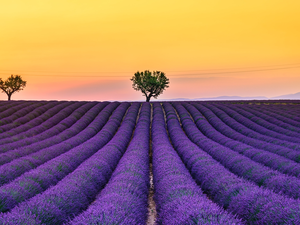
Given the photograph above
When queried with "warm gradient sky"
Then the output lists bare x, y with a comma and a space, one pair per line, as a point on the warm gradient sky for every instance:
89, 50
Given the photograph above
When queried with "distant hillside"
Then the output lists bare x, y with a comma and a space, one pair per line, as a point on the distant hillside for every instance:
215, 98
234, 98
290, 96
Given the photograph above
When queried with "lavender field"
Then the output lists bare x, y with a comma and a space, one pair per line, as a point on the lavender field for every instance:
71, 162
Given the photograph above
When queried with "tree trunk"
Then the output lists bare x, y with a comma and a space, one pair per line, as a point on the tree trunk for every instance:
148, 98
9, 97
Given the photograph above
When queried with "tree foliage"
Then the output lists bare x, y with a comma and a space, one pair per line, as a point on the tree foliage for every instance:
150, 84
13, 84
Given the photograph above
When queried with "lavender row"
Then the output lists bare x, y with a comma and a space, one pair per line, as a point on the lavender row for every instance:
85, 129
269, 122
5, 105
229, 132
241, 124
8, 103
291, 112
269, 159
178, 198
32, 119
256, 130
77, 190
255, 205
26, 114
242, 129
55, 118
41, 178
286, 114
56, 114
237, 163
16, 119
16, 109
124, 198
67, 128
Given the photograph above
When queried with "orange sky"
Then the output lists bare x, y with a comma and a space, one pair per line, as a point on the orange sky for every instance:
89, 50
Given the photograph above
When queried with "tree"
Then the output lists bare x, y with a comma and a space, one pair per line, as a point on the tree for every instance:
150, 84
13, 84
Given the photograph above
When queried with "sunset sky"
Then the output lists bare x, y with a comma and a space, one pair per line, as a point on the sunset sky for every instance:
89, 50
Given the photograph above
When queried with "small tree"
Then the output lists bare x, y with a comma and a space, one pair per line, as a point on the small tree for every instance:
150, 84
13, 84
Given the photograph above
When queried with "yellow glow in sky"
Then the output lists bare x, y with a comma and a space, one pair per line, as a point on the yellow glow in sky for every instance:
88, 50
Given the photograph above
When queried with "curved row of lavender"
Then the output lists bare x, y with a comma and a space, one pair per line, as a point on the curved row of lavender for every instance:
84, 129
66, 129
288, 115
239, 164
235, 113
269, 159
9, 117
241, 127
178, 198
34, 119
5, 105
124, 198
280, 112
54, 116
270, 122
78, 189
9, 113
38, 180
28, 114
233, 134
15, 108
251, 203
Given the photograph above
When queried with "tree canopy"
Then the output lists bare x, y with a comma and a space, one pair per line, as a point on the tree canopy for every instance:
150, 84
13, 84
